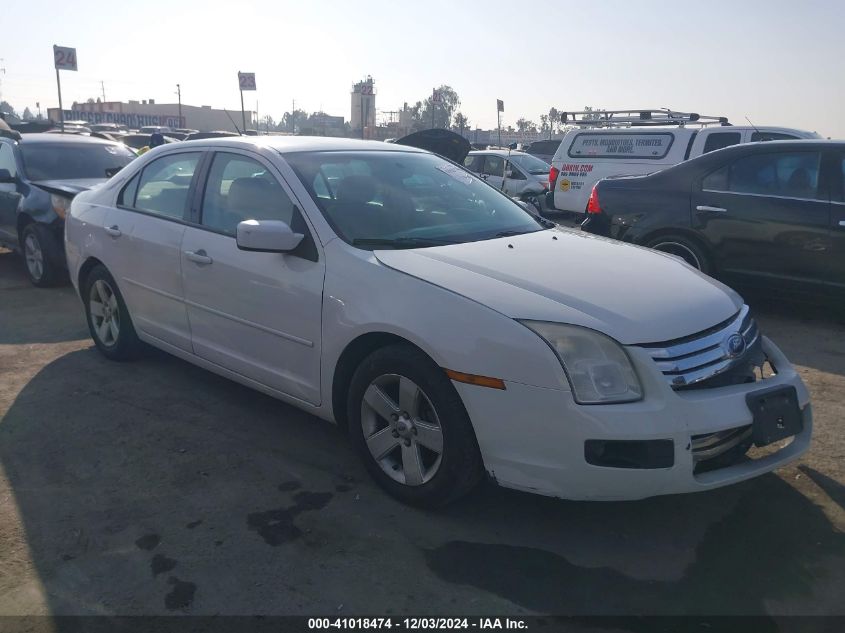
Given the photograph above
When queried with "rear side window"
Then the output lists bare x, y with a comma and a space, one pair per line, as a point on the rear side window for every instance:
647, 145
719, 140
165, 183
792, 175
7, 159
127, 194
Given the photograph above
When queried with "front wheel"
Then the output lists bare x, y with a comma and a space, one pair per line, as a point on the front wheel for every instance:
411, 429
108, 319
41, 250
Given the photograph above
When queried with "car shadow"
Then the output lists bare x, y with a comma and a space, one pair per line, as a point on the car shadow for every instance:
155, 487
27, 313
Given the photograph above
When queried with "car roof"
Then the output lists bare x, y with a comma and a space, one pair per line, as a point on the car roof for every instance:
63, 139
290, 144
497, 152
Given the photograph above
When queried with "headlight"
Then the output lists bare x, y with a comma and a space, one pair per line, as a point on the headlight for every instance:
598, 368
60, 204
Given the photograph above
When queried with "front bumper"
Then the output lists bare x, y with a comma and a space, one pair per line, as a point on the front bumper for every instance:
533, 439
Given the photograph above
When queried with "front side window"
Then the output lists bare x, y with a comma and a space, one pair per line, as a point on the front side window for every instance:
391, 199
494, 166
7, 159
73, 161
771, 136
165, 183
474, 163
719, 140
791, 175
240, 188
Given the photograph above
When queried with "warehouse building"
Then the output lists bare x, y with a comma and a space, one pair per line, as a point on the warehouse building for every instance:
137, 114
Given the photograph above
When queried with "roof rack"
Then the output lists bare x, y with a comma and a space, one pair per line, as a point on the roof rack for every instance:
638, 118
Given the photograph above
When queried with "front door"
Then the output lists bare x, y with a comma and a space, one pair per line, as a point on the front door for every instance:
767, 217
257, 314
493, 170
10, 196
142, 243
836, 270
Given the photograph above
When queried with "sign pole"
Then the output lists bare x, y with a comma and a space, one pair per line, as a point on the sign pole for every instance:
433, 100
243, 113
61, 108
499, 119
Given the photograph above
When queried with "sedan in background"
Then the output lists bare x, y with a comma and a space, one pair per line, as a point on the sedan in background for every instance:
393, 292
760, 214
39, 176
525, 177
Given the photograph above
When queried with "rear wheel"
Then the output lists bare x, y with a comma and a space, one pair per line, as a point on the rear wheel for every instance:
411, 429
682, 247
108, 319
41, 251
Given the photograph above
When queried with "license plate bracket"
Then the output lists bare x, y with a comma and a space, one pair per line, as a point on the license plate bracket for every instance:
776, 414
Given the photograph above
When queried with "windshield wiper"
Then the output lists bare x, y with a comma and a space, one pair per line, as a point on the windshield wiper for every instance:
401, 242
511, 233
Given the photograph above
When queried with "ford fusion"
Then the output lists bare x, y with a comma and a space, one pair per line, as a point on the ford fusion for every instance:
392, 292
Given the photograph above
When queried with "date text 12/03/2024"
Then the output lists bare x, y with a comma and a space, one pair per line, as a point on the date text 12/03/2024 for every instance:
415, 624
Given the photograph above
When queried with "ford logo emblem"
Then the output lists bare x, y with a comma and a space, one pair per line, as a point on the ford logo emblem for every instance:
734, 346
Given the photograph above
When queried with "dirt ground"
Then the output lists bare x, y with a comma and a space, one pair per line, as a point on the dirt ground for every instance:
155, 487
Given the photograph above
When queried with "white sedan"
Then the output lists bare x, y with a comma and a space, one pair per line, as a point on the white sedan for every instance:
394, 293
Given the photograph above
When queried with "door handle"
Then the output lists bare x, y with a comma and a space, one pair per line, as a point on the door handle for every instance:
703, 208
113, 230
842, 223
483, 176
199, 257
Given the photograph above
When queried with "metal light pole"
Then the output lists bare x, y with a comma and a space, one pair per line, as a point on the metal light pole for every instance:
179, 95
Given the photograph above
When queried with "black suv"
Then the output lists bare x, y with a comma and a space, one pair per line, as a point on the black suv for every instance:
761, 214
39, 175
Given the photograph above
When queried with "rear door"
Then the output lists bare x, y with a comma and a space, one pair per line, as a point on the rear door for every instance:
767, 217
475, 163
142, 240
256, 314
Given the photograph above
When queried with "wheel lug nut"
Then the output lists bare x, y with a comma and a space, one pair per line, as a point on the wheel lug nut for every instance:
395, 433
407, 442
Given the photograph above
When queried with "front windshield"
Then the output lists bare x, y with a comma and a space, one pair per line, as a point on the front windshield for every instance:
71, 161
376, 199
531, 164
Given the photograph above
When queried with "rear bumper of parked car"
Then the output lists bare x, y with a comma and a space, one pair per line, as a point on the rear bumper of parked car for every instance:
534, 439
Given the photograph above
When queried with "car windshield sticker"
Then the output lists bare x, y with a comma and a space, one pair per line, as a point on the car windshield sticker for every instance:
457, 173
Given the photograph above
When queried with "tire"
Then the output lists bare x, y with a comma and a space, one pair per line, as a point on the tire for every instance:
410, 468
108, 319
41, 252
685, 248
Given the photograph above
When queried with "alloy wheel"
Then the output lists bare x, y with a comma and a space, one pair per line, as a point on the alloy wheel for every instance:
402, 430
34, 257
105, 312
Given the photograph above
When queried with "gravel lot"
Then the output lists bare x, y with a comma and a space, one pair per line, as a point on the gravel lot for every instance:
157, 488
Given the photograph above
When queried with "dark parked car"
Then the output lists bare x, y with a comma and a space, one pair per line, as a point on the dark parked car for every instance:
761, 214
544, 150
39, 176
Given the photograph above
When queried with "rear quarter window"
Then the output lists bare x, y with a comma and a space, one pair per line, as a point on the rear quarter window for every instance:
643, 145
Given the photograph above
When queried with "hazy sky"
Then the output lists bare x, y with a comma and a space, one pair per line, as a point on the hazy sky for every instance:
778, 62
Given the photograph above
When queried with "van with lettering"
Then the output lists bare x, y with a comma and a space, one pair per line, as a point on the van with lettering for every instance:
627, 142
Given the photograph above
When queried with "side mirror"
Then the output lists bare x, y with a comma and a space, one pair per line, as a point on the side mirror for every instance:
509, 173
6, 176
267, 236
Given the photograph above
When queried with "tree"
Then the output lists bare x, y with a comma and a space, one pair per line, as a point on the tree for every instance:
27, 115
544, 123
554, 120
291, 120
524, 125
6, 108
437, 114
461, 122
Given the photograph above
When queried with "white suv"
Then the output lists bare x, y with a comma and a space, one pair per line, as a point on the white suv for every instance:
586, 155
395, 293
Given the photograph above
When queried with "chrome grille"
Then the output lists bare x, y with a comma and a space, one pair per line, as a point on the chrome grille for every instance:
690, 360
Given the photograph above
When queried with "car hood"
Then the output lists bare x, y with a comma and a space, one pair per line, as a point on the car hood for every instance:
632, 294
439, 141
69, 187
